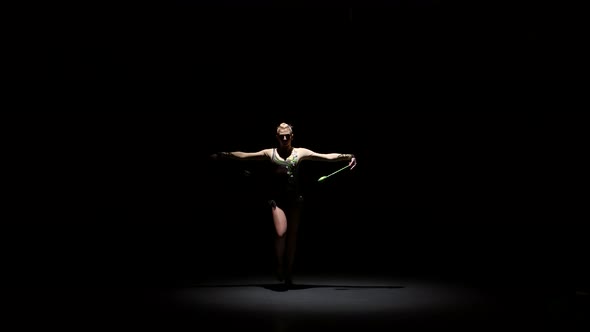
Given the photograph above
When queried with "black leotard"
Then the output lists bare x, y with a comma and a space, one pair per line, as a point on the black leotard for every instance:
284, 187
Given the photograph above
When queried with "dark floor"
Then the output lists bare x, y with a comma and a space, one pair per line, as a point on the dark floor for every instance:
314, 303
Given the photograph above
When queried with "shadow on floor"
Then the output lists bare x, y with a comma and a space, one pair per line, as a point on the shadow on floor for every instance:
281, 287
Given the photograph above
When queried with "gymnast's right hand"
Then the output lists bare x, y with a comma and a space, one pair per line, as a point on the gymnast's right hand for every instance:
219, 155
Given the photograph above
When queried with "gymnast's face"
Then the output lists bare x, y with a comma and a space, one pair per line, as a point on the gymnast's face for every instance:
284, 136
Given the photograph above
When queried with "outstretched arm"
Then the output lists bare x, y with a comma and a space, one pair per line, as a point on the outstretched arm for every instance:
260, 155
311, 155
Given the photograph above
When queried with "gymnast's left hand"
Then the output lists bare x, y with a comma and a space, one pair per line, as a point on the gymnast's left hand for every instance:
352, 162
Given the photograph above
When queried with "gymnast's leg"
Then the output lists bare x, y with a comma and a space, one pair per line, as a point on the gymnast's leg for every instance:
291, 241
280, 222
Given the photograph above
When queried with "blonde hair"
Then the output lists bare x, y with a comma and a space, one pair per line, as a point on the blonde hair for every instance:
285, 126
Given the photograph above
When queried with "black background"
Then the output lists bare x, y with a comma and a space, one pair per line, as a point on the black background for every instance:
466, 122
224, 40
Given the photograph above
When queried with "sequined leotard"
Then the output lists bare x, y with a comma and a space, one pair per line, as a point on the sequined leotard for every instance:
284, 185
